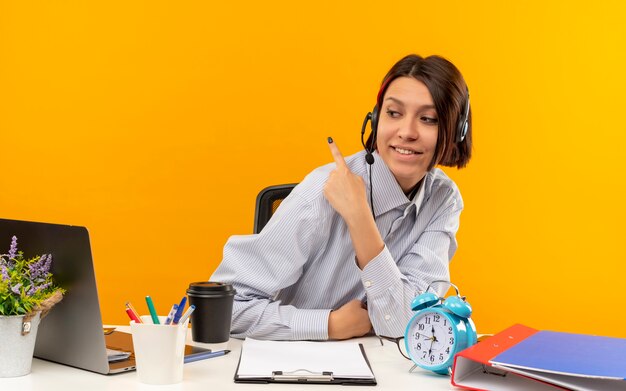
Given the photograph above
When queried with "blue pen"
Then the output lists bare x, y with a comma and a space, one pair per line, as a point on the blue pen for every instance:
179, 312
205, 355
170, 316
153, 313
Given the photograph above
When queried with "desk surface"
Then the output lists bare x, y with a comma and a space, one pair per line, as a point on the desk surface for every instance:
390, 368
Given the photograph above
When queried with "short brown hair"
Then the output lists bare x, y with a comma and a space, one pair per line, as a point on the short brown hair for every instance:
450, 96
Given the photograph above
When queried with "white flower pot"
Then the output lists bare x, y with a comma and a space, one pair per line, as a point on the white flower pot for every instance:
16, 350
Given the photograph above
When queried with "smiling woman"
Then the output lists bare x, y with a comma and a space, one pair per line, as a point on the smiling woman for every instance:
330, 265
407, 131
439, 95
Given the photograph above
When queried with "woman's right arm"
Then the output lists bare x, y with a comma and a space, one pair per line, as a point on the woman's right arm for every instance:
259, 266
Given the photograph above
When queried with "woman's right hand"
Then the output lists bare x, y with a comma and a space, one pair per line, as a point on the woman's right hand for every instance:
350, 320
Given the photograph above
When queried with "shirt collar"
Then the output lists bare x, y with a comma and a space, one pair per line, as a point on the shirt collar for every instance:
388, 194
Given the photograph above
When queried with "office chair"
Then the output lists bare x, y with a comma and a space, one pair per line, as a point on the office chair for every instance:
267, 202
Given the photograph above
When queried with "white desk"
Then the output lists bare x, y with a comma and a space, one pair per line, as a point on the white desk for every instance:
390, 368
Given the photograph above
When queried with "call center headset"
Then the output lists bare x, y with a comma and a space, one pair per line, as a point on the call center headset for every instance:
373, 116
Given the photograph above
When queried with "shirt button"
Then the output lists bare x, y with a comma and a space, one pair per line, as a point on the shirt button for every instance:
368, 283
387, 317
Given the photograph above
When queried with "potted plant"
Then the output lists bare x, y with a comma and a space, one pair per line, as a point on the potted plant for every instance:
27, 293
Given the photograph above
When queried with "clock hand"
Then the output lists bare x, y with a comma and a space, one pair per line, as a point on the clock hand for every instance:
430, 349
432, 340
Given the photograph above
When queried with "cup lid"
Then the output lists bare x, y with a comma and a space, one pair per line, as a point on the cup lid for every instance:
210, 287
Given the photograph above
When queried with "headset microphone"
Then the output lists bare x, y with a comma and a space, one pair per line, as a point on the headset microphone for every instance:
369, 158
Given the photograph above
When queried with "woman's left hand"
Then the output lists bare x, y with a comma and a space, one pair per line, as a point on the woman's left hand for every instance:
344, 190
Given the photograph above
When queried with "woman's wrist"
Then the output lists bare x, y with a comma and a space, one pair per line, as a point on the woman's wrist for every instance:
358, 215
366, 239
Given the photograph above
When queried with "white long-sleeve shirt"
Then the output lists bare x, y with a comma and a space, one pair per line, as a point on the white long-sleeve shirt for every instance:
302, 265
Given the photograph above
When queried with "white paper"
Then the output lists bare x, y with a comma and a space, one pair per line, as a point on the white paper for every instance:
259, 359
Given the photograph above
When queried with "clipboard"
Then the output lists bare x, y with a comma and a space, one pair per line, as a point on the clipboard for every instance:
275, 362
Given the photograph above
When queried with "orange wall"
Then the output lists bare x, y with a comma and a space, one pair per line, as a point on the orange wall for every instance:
155, 124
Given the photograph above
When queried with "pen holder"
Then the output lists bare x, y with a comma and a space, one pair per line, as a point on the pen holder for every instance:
159, 350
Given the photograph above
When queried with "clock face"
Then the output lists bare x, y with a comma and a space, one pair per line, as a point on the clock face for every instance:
431, 339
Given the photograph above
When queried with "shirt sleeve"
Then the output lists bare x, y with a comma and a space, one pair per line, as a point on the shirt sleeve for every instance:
259, 266
391, 286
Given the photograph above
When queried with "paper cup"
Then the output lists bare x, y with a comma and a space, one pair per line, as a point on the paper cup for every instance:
211, 321
159, 351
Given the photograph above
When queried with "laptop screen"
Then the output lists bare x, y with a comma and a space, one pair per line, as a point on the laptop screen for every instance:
71, 333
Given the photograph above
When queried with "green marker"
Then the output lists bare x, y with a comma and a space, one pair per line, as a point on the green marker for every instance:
153, 313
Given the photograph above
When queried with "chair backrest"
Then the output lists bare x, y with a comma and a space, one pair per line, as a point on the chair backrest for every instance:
267, 202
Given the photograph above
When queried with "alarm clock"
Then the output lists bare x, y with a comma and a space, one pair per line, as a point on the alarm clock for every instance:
438, 330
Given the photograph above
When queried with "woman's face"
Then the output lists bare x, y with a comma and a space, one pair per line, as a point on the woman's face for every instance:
407, 130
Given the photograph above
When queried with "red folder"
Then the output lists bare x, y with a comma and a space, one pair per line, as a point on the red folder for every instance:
522, 358
472, 368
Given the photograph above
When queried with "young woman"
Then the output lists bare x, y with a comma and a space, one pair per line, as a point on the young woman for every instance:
338, 258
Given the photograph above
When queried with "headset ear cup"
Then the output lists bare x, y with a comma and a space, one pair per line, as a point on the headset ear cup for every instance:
374, 124
461, 131
457, 306
375, 116
463, 123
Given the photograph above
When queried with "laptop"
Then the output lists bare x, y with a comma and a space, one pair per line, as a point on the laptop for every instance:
72, 333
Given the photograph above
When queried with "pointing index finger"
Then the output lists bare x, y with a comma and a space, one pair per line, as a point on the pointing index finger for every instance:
334, 150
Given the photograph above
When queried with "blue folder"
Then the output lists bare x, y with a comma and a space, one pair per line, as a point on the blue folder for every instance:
569, 354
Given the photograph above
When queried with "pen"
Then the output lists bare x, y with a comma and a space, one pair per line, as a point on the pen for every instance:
153, 314
132, 315
134, 311
170, 316
181, 308
205, 355
186, 314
